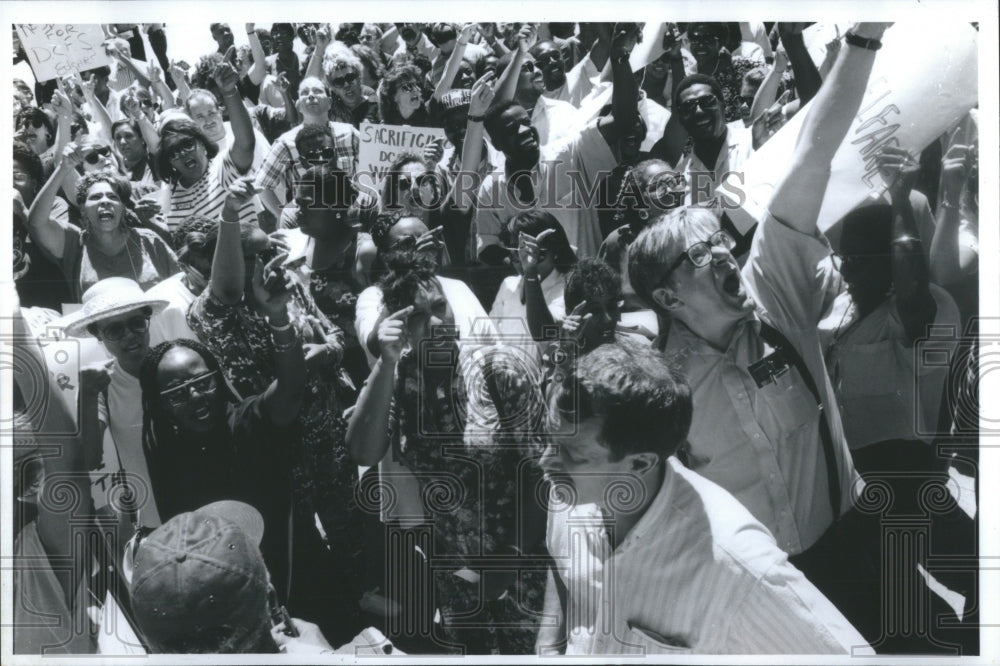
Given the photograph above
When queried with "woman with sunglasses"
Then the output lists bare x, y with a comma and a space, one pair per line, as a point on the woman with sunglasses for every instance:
199, 174
353, 100
401, 99
109, 242
233, 317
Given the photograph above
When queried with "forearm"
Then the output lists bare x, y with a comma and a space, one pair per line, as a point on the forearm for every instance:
163, 91
472, 151
368, 430
768, 91
291, 113
183, 89
507, 85
91, 431
285, 400
450, 70
241, 149
624, 96
101, 115
271, 202
136, 71
259, 69
44, 230
945, 263
807, 77
314, 67
149, 135
228, 267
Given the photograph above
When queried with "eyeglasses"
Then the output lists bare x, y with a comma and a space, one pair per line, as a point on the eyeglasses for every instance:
366, 39
116, 331
94, 156
409, 86
547, 57
700, 254
204, 384
183, 147
405, 184
321, 153
344, 81
528, 66
34, 122
146, 102
705, 102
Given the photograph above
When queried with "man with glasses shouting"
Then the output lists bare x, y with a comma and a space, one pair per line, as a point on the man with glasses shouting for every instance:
766, 425
117, 313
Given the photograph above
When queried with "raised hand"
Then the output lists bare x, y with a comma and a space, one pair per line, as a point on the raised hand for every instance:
147, 208
526, 37
468, 30
272, 287
623, 39
176, 71
225, 75
250, 27
153, 71
95, 377
898, 169
61, 104
72, 155
433, 152
392, 334
130, 106
575, 324
430, 242
955, 171
529, 251
482, 95
240, 192
322, 37
672, 42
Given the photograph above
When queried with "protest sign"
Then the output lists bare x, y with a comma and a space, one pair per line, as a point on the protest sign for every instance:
382, 144
59, 49
914, 95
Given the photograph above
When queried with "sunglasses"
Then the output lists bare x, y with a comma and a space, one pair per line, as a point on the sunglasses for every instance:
116, 331
410, 86
546, 58
146, 103
205, 384
405, 184
34, 122
344, 81
94, 156
705, 103
700, 254
528, 66
366, 39
183, 147
323, 153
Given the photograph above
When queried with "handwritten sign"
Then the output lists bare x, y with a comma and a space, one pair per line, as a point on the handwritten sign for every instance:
59, 49
914, 95
382, 144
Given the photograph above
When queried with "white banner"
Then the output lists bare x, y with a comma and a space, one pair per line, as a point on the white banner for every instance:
914, 95
59, 49
382, 144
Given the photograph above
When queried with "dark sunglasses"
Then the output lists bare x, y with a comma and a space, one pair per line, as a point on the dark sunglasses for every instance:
116, 331
146, 103
184, 146
405, 184
203, 384
94, 156
322, 153
705, 102
34, 122
345, 80
700, 254
528, 66
410, 86
547, 57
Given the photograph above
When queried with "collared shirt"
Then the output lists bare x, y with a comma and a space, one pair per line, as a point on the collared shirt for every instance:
763, 444
699, 575
886, 387
703, 180
561, 180
283, 160
509, 311
578, 84
556, 121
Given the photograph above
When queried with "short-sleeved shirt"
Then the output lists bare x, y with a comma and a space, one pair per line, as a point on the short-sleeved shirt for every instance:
762, 444
578, 84
703, 180
697, 574
170, 323
283, 167
562, 179
147, 259
207, 196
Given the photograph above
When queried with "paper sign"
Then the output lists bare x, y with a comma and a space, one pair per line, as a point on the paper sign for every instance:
59, 49
914, 95
382, 144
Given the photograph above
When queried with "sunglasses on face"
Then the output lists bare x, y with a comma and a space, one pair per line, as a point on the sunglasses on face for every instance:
94, 156
528, 66
323, 153
183, 147
410, 86
204, 384
705, 103
405, 184
700, 254
33, 122
116, 331
546, 58
345, 80
365, 39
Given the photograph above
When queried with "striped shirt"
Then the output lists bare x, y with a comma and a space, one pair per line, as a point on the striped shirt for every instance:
208, 195
699, 575
282, 164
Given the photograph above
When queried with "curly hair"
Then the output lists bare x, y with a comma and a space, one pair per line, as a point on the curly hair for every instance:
370, 59
631, 200
31, 162
381, 227
173, 132
118, 184
339, 55
589, 280
393, 80
407, 270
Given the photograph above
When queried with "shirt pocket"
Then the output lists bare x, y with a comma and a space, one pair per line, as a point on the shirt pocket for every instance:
651, 642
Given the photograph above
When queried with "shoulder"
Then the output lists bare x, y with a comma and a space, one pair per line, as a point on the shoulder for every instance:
343, 129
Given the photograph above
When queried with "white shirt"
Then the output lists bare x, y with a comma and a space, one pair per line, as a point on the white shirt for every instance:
125, 425
171, 322
699, 575
510, 314
702, 180
578, 84
556, 121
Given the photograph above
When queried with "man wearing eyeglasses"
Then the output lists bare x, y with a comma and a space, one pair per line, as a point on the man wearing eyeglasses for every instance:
766, 424
117, 313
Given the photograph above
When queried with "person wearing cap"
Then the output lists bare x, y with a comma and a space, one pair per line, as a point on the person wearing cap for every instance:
117, 313
199, 585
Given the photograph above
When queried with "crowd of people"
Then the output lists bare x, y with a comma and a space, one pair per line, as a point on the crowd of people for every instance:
535, 393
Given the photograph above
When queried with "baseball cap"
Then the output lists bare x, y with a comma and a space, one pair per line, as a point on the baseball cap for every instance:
456, 98
199, 583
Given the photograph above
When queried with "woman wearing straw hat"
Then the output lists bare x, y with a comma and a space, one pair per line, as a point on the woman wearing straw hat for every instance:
117, 313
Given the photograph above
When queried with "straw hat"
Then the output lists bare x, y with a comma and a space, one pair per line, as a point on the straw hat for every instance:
108, 298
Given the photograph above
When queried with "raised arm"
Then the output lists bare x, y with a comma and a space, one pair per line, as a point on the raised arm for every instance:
45, 230
368, 428
322, 38
832, 50
536, 309
259, 69
949, 261
807, 78
242, 146
179, 77
228, 279
507, 85
625, 92
798, 196
454, 60
670, 146
273, 291
768, 91
472, 147
159, 86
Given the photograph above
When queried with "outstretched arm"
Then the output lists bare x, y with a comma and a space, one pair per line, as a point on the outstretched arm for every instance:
798, 196
259, 69
242, 147
625, 93
507, 85
454, 60
807, 78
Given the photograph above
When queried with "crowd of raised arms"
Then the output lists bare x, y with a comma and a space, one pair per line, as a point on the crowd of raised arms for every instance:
528, 388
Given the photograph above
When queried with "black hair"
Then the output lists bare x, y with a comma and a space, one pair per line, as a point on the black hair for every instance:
119, 185
369, 58
390, 181
393, 80
693, 79
131, 124
589, 280
491, 123
534, 222
173, 132
32, 114
562, 30
31, 162
285, 27
631, 197
407, 270
642, 396
383, 224
331, 187
310, 132
717, 29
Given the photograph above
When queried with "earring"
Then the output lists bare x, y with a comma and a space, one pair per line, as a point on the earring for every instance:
643, 215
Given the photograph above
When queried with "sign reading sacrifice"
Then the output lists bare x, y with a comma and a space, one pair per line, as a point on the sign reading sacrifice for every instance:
382, 144
59, 49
